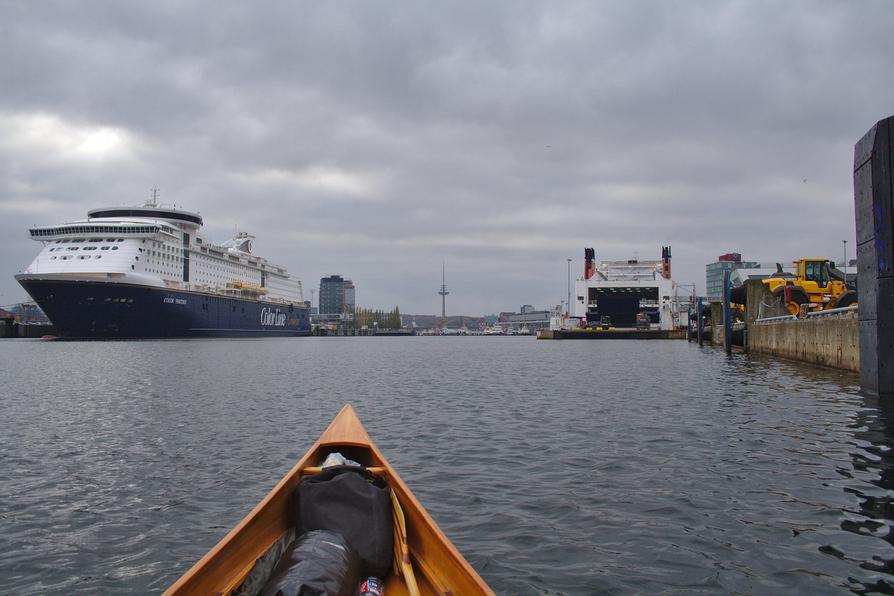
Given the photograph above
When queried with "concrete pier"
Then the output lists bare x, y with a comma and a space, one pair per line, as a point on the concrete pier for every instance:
825, 341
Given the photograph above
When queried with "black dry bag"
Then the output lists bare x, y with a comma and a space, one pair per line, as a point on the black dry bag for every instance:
314, 564
355, 503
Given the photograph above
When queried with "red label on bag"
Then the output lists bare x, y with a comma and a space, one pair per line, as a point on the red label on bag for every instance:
371, 586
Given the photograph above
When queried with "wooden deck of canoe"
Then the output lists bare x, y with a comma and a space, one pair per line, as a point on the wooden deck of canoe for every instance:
436, 564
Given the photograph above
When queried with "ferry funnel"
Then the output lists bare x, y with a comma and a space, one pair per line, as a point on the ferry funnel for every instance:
589, 263
666, 262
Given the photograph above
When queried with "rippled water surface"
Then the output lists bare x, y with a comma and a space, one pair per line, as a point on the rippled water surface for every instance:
555, 467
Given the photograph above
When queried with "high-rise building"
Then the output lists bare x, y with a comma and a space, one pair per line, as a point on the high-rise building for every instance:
714, 272
337, 295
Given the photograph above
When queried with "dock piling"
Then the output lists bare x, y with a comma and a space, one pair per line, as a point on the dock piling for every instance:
689, 325
874, 215
701, 324
727, 315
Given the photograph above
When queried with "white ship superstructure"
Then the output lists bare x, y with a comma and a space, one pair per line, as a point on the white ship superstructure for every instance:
159, 247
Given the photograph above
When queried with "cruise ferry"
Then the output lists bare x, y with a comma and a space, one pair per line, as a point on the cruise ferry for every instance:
146, 272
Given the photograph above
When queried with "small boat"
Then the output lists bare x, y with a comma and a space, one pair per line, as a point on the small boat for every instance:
428, 561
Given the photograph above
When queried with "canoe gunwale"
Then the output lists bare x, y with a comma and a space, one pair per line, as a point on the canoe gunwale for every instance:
258, 531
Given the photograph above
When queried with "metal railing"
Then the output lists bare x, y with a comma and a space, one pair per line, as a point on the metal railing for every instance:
833, 311
816, 313
782, 318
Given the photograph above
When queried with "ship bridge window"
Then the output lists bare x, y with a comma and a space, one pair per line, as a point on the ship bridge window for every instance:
96, 240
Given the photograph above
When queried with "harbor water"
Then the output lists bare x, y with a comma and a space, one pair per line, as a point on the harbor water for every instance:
607, 467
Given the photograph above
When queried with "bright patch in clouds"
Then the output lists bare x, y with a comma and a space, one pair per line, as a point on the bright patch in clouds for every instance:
323, 179
51, 135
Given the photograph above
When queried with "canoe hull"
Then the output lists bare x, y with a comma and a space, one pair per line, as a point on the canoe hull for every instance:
438, 565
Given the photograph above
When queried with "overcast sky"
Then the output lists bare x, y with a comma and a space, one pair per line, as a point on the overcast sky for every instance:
378, 139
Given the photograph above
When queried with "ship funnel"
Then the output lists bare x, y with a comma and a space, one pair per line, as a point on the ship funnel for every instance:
589, 263
666, 262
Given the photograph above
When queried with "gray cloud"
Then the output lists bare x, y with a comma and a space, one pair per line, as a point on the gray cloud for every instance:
375, 141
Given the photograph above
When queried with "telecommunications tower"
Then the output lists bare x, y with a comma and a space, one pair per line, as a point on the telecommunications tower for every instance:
443, 293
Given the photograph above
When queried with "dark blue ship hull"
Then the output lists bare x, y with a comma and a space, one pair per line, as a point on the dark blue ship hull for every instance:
87, 309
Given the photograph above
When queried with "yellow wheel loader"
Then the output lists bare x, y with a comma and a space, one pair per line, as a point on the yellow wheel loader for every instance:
816, 283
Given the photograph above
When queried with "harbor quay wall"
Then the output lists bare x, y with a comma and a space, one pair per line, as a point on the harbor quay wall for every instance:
827, 341
611, 334
832, 341
9, 329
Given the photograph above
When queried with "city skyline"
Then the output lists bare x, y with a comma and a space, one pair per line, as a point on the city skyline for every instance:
503, 138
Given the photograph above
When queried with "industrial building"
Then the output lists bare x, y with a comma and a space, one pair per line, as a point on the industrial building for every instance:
528, 316
714, 272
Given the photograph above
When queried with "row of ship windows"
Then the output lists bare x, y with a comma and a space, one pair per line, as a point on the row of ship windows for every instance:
228, 266
85, 248
95, 230
76, 240
81, 257
156, 244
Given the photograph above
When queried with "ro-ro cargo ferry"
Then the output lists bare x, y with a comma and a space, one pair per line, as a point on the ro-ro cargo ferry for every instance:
145, 272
